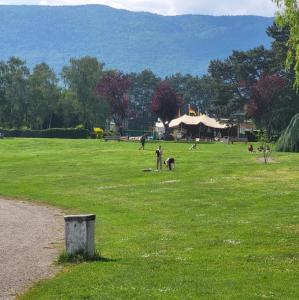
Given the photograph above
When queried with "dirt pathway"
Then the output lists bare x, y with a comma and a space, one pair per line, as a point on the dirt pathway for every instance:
29, 239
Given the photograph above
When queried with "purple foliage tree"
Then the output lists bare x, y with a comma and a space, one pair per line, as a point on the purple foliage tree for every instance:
113, 89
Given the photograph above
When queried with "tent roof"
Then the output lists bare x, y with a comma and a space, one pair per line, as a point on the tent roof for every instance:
202, 119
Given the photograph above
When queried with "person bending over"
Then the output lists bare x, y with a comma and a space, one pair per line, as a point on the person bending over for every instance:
169, 162
193, 147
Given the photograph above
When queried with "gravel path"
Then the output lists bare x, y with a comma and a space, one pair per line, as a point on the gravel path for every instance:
30, 236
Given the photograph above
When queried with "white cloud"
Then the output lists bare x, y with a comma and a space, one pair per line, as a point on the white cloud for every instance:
173, 7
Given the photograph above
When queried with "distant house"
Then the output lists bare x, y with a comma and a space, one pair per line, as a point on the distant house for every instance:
246, 126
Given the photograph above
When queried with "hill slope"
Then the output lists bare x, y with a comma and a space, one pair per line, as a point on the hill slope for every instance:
125, 40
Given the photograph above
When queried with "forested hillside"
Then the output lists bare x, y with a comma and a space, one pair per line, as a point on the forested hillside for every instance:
125, 40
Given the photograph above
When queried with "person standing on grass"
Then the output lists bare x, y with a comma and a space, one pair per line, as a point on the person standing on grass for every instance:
142, 141
159, 154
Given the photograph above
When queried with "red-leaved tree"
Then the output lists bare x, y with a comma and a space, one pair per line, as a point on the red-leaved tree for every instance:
266, 96
113, 88
165, 104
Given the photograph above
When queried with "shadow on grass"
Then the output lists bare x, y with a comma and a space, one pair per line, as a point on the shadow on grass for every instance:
81, 257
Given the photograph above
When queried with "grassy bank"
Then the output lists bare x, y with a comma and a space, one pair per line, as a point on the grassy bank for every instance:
221, 226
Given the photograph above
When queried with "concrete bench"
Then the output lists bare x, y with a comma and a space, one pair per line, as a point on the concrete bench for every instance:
228, 140
112, 138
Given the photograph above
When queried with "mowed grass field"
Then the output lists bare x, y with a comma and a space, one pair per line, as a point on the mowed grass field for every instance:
221, 226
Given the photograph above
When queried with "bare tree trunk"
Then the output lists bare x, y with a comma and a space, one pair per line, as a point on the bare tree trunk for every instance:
118, 125
50, 121
265, 154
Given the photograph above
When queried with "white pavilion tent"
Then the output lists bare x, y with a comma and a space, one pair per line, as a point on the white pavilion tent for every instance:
197, 120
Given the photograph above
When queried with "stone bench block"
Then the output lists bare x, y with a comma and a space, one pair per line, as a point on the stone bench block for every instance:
79, 234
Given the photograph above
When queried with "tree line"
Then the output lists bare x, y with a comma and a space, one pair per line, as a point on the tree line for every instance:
86, 93
248, 84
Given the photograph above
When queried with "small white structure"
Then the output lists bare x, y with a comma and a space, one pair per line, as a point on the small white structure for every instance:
79, 234
159, 128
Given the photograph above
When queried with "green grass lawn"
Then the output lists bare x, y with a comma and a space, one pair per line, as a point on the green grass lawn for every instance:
221, 226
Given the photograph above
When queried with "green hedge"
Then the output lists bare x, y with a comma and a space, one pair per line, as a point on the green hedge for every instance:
129, 132
251, 136
63, 133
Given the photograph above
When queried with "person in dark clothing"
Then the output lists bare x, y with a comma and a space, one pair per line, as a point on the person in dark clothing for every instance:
170, 162
142, 142
159, 154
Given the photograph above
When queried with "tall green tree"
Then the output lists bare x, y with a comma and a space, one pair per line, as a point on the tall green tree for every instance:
178, 82
195, 91
141, 92
290, 17
69, 109
234, 77
14, 93
199, 92
3, 84
279, 36
44, 96
81, 77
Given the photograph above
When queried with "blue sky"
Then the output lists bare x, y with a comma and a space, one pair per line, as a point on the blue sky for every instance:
173, 7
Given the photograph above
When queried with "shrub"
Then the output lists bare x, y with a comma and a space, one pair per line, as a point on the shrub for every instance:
80, 126
252, 136
263, 138
99, 133
109, 133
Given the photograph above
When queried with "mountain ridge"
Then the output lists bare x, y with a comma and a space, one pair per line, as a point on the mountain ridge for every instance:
129, 11
125, 40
